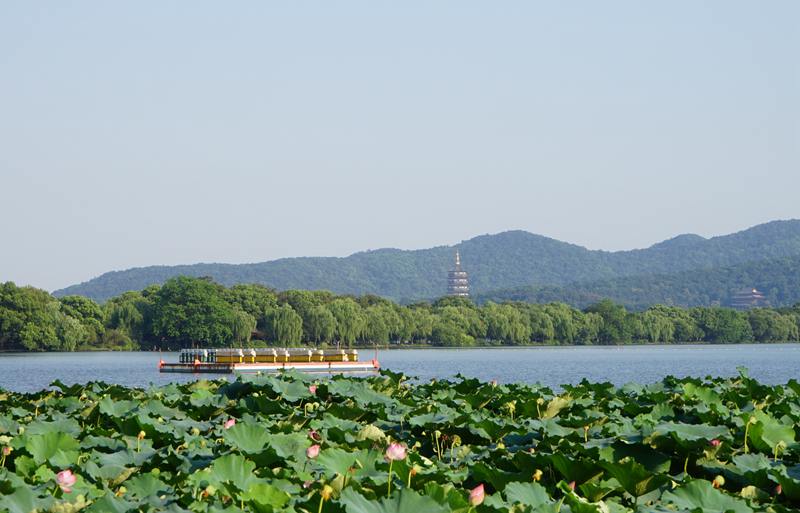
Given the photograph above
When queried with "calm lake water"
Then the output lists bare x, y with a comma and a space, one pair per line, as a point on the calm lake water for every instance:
773, 363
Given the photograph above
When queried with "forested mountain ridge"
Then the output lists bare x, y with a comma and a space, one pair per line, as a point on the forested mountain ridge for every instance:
502, 261
778, 279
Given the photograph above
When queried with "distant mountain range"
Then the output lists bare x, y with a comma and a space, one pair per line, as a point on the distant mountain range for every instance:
518, 264
778, 279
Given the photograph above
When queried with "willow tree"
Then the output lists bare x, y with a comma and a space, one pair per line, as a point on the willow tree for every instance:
321, 324
285, 326
350, 320
242, 326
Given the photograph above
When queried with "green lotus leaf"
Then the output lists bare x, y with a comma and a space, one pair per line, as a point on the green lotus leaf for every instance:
634, 477
117, 408
434, 419
63, 425
292, 445
234, 469
360, 391
59, 449
790, 482
7, 424
248, 437
404, 501
108, 503
701, 494
448, 494
690, 434
265, 497
768, 432
102, 442
752, 463
146, 485
291, 391
575, 469
529, 494
24, 500
651, 459
336, 461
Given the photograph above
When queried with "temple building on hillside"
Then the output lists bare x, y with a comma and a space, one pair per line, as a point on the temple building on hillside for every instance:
748, 298
457, 281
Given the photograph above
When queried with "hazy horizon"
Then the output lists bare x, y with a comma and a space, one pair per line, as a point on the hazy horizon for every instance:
151, 134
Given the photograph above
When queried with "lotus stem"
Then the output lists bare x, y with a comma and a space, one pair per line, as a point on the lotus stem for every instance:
321, 500
389, 488
686, 465
746, 433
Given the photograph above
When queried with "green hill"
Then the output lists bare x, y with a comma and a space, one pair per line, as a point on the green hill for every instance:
778, 279
502, 261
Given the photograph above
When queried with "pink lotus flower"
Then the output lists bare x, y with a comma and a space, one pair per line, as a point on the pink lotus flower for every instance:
6, 450
229, 423
476, 495
493, 383
572, 485
312, 452
312, 389
396, 451
715, 443
65, 480
778, 490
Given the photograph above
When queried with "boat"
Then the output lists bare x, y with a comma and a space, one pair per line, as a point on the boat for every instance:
229, 360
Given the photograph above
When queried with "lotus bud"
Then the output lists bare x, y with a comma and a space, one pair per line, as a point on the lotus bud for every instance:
307, 484
572, 485
229, 423
314, 435
312, 389
312, 452
7, 450
476, 495
537, 476
493, 383
778, 490
715, 443
718, 482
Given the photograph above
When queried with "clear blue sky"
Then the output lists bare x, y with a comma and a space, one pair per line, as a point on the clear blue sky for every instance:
178, 132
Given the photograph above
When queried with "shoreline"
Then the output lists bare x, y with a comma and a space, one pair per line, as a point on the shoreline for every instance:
427, 347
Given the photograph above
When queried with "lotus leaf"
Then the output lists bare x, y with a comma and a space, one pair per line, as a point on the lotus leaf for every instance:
701, 494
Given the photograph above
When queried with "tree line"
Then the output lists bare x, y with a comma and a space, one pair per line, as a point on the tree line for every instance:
186, 312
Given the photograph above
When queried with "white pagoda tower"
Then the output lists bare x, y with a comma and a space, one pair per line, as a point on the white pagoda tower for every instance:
457, 281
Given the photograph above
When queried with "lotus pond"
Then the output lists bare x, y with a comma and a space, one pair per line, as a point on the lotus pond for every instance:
297, 443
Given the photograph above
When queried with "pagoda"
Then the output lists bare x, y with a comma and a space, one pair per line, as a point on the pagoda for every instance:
457, 281
748, 298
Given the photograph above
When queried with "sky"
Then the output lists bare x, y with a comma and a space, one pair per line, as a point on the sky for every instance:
152, 132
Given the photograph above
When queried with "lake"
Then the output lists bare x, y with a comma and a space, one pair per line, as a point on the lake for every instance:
770, 363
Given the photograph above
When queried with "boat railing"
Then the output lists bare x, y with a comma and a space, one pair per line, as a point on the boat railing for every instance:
267, 355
